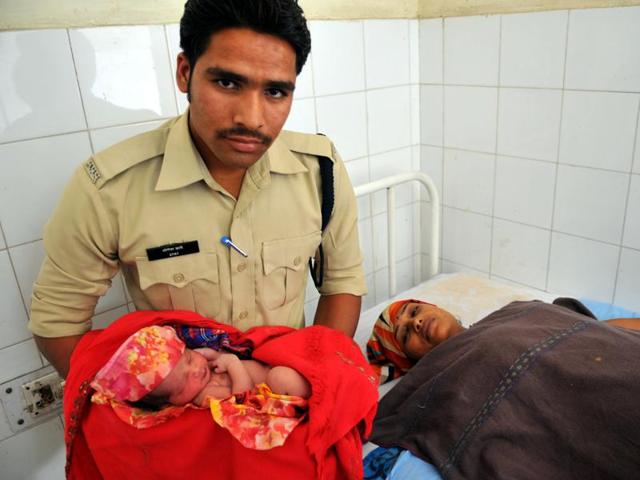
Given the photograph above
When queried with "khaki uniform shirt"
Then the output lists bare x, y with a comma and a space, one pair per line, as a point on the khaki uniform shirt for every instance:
154, 190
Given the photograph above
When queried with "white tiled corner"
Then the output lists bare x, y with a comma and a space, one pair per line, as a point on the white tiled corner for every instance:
389, 118
124, 74
470, 115
431, 58
104, 319
533, 48
598, 129
344, 119
302, 117
529, 123
3, 245
582, 268
414, 51
628, 286
386, 48
105, 137
366, 244
431, 108
520, 253
337, 69
524, 190
358, 171
466, 238
384, 165
468, 181
173, 41
35, 174
471, 50
590, 203
602, 53
35, 64
35, 454
19, 359
414, 102
631, 236
13, 322
431, 163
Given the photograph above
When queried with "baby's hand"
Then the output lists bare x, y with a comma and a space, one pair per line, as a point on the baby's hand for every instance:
223, 362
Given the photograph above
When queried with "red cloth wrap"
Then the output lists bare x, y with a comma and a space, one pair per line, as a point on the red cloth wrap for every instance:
327, 446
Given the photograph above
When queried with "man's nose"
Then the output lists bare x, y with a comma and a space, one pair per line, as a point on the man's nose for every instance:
250, 111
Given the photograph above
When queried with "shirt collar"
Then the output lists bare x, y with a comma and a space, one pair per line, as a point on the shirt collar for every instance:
183, 165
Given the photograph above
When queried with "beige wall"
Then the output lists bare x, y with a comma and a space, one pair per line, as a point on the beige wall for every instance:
456, 8
29, 14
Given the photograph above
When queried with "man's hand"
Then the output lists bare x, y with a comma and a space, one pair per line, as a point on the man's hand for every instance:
340, 312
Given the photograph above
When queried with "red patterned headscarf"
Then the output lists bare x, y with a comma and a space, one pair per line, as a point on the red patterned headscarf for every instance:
141, 363
383, 349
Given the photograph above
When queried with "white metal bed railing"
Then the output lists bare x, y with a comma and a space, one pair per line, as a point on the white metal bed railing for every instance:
389, 183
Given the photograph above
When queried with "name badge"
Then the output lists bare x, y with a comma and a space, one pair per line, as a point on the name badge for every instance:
172, 250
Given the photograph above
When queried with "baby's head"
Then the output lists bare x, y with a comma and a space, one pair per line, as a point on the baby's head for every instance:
406, 331
153, 364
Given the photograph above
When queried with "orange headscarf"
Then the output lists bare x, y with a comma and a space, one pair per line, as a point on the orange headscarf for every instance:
383, 349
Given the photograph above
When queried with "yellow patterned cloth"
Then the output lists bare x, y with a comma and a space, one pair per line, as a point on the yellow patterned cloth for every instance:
259, 419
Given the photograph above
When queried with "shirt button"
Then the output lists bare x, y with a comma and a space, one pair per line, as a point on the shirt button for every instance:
296, 261
241, 267
178, 277
243, 315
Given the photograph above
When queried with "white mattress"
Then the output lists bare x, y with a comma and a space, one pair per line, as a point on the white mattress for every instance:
469, 297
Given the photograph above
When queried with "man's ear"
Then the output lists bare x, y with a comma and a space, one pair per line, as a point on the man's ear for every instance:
183, 73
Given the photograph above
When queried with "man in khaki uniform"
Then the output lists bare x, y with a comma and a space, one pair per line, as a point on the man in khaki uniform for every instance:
158, 204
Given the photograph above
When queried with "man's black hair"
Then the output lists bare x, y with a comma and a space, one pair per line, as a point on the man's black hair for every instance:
281, 18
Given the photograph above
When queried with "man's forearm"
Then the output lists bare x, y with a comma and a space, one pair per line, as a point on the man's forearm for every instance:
340, 312
58, 351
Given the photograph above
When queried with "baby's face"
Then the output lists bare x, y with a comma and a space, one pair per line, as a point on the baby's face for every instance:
186, 380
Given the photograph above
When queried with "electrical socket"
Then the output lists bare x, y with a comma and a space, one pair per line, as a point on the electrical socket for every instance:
32, 398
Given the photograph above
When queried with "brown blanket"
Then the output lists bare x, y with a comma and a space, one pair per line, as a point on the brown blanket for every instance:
533, 391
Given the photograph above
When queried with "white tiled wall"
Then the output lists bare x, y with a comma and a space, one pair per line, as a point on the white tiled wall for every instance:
531, 121
528, 124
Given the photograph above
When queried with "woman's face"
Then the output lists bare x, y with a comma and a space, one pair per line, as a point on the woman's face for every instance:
419, 327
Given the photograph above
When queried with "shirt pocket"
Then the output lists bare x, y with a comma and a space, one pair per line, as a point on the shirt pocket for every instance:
188, 282
284, 264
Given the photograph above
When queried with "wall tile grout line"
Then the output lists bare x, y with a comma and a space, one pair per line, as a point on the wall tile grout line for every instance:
495, 153
165, 30
84, 108
557, 169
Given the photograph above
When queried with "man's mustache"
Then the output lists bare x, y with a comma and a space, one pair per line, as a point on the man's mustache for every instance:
245, 132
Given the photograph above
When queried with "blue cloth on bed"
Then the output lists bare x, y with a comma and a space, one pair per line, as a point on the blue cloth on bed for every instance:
606, 311
379, 462
410, 467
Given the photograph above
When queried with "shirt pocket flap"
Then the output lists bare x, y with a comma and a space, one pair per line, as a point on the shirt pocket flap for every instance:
178, 271
292, 253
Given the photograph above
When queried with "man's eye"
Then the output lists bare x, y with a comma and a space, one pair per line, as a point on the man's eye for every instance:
276, 93
226, 84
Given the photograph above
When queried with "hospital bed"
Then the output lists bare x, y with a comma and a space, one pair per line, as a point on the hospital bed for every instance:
470, 297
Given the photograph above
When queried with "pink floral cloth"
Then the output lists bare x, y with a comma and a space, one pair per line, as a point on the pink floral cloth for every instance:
259, 419
141, 363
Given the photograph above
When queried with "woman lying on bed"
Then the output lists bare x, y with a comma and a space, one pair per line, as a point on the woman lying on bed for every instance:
532, 391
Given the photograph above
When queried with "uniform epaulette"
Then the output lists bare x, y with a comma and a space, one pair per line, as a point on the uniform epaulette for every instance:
120, 157
308, 143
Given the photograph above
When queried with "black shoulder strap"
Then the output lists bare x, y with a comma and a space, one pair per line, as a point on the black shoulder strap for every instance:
316, 264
